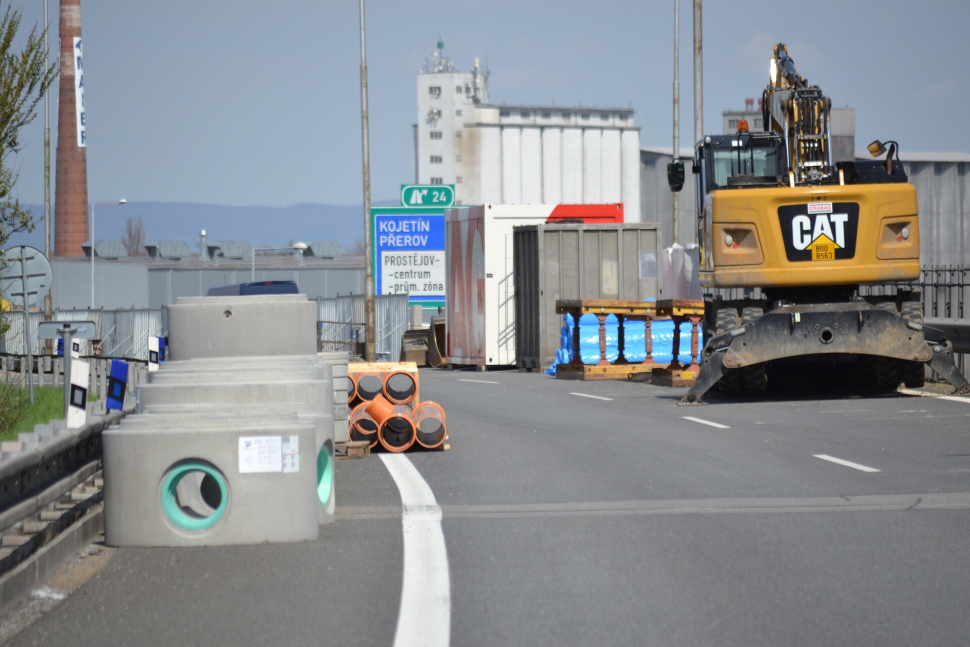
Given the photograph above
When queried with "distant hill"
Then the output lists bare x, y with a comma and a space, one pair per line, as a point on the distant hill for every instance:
263, 226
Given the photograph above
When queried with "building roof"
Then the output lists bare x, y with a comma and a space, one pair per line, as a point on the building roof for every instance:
668, 150
556, 108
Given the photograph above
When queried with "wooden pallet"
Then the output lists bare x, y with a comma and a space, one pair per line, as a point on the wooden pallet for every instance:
588, 372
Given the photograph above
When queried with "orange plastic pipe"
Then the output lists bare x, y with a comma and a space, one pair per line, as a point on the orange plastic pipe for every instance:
400, 387
396, 431
369, 385
429, 425
352, 388
363, 426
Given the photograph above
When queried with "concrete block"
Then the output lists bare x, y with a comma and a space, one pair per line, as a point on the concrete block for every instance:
206, 417
144, 464
314, 393
208, 327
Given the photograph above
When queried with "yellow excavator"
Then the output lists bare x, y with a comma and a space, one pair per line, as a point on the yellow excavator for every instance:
774, 212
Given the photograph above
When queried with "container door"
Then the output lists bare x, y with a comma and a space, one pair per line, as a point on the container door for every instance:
506, 305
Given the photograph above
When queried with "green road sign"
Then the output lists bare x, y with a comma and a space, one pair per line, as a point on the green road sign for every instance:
428, 195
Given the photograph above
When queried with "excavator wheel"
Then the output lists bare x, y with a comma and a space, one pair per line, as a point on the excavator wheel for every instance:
913, 374
754, 379
727, 319
883, 372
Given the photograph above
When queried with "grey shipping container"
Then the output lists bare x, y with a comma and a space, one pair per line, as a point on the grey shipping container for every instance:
576, 261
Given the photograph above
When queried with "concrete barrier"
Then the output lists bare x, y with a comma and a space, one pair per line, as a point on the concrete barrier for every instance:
207, 327
251, 482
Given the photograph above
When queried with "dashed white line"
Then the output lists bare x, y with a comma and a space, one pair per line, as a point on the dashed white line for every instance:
480, 381
706, 422
424, 617
839, 461
940, 396
595, 397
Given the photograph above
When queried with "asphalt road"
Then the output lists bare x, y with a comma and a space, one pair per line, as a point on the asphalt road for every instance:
608, 520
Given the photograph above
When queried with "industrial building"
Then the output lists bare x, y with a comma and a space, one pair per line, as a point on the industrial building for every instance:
521, 154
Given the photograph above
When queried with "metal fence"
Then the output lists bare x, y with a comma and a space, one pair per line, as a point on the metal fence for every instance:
341, 323
121, 333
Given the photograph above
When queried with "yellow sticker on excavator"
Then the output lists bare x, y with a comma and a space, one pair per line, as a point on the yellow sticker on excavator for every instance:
823, 248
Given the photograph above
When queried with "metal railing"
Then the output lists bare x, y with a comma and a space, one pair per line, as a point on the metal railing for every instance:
121, 333
39, 477
341, 324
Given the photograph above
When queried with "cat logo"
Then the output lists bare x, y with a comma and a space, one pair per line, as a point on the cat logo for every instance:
820, 231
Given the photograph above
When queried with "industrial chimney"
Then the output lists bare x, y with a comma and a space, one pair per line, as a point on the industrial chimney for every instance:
71, 176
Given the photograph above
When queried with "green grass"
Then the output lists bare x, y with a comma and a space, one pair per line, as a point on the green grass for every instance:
48, 405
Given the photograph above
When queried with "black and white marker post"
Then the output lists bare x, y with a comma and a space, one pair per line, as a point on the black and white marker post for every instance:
67, 330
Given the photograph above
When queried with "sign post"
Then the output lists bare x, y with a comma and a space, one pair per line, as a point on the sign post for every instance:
67, 329
32, 270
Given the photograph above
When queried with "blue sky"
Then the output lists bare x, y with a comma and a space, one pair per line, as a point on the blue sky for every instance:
242, 104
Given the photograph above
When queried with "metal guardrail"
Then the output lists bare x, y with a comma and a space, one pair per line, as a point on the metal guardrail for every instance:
37, 478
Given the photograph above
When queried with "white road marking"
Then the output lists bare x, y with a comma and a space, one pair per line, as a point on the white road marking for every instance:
839, 461
951, 398
706, 422
595, 397
480, 381
424, 617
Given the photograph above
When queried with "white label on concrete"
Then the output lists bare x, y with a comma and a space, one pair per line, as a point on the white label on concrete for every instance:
79, 94
291, 454
416, 273
260, 454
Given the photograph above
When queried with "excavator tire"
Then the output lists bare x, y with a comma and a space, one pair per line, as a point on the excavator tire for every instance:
754, 379
883, 372
913, 374
727, 319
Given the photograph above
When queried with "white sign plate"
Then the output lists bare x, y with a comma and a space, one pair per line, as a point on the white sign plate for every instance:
260, 454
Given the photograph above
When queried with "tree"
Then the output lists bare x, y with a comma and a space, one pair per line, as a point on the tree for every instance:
356, 249
25, 75
133, 237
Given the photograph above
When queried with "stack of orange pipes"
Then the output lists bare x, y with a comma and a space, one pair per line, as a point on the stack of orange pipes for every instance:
385, 411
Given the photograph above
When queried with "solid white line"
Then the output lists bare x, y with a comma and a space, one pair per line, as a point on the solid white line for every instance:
706, 422
424, 618
951, 398
587, 395
480, 381
839, 461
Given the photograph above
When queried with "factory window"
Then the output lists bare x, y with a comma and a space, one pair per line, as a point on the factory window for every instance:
625, 116
435, 134
458, 89
547, 115
468, 89
435, 91
436, 159
457, 133
437, 180
457, 113
503, 113
758, 123
605, 116
585, 116
458, 180
526, 115
733, 124
567, 115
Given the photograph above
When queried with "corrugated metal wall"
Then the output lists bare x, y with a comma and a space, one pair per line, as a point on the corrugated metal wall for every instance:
943, 191
124, 333
341, 323
165, 286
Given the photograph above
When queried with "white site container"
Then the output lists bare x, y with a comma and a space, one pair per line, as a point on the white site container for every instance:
480, 308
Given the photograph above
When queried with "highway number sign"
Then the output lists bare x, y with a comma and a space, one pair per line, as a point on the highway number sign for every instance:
427, 195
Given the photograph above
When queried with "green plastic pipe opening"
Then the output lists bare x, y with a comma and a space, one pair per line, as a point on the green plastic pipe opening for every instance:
176, 513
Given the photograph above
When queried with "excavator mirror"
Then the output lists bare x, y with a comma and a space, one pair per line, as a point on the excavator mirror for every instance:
876, 148
675, 176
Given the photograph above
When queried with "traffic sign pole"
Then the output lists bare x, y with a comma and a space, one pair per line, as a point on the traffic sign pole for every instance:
30, 352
